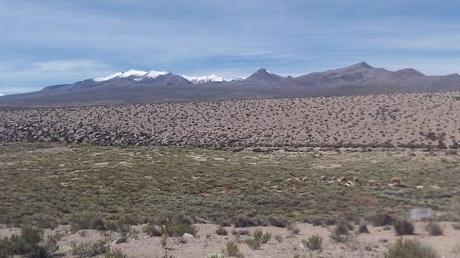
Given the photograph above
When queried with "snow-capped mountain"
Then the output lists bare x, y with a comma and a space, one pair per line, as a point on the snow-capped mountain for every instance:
204, 78
135, 86
137, 75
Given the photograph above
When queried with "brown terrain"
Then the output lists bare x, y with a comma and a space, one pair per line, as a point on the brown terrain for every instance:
350, 176
400, 120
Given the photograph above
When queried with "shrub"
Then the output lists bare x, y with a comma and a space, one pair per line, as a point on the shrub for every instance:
179, 229
278, 222
434, 229
403, 227
87, 220
363, 229
341, 232
313, 243
253, 243
174, 227
380, 220
152, 230
221, 231
231, 250
243, 222
279, 238
409, 249
89, 249
258, 239
29, 243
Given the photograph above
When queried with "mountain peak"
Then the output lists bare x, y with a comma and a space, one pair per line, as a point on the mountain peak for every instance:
361, 65
263, 71
132, 73
205, 78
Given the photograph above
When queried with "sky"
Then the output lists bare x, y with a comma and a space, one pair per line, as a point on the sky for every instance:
51, 42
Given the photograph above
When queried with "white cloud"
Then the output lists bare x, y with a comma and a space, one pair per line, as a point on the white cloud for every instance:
68, 65
29, 75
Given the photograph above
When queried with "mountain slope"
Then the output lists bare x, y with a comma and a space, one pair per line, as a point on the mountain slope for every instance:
135, 86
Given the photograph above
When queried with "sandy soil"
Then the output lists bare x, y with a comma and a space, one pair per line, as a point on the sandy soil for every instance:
208, 242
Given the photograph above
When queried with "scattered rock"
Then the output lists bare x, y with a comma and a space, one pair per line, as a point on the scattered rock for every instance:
422, 214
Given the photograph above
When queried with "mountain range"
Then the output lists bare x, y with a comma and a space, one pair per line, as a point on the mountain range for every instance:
135, 86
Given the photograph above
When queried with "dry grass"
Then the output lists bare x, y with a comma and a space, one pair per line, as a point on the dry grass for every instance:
63, 181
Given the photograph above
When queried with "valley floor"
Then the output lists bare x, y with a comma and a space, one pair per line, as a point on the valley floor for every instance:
52, 184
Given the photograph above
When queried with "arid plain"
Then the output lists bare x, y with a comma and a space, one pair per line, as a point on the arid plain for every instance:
307, 177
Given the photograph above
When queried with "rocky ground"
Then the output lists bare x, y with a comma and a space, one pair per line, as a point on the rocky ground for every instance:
401, 120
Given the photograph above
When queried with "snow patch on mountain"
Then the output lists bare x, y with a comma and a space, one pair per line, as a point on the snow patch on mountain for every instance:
204, 79
155, 74
137, 74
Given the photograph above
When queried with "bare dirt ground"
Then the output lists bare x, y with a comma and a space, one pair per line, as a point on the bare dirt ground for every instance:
286, 244
403, 120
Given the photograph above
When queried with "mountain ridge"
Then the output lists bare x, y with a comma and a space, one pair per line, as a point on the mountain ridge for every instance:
136, 86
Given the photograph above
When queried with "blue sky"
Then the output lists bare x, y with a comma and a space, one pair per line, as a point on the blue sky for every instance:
61, 41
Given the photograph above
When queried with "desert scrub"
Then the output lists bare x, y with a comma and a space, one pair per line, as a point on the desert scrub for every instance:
409, 249
314, 243
152, 230
362, 229
89, 249
171, 226
279, 238
341, 232
434, 229
29, 243
258, 238
231, 250
87, 220
380, 220
221, 231
403, 227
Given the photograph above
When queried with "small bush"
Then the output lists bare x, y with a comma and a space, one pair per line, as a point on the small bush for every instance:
341, 232
29, 243
152, 230
260, 236
363, 229
179, 229
231, 250
380, 220
314, 243
403, 227
87, 220
278, 222
279, 238
253, 243
409, 249
434, 229
172, 227
258, 239
243, 222
89, 249
221, 231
